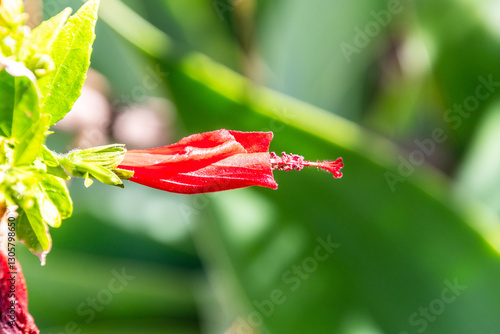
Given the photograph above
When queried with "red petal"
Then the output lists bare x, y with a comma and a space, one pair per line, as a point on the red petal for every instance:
200, 140
15, 318
253, 142
241, 170
205, 162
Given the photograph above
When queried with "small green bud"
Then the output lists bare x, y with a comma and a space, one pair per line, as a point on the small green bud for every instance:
97, 162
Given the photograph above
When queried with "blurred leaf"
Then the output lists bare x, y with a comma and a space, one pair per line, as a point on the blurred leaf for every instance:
147, 292
375, 240
303, 46
479, 175
150, 214
458, 67
204, 31
71, 54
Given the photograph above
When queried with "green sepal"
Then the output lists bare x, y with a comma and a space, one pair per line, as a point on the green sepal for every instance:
87, 170
123, 173
97, 162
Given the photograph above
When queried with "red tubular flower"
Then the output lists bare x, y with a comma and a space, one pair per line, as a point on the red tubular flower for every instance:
15, 318
215, 161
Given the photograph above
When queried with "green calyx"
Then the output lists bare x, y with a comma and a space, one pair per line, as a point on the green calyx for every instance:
97, 163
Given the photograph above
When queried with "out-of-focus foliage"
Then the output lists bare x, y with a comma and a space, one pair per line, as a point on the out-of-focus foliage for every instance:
406, 242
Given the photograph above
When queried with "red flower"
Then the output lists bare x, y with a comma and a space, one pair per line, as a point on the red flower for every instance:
214, 161
15, 318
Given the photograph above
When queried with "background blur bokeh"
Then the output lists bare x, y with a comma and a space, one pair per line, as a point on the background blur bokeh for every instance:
408, 241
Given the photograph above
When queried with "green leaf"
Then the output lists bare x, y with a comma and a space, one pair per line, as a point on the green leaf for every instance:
26, 110
373, 216
123, 173
19, 102
47, 32
71, 54
33, 233
7, 102
31, 143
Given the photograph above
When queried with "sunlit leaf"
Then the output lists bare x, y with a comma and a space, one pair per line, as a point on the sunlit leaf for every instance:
46, 33
71, 54
20, 107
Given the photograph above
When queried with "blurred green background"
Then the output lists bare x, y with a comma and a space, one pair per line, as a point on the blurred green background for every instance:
406, 242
